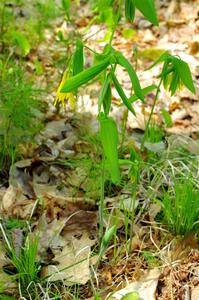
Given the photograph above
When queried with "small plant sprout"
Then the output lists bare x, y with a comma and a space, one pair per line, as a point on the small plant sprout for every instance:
105, 242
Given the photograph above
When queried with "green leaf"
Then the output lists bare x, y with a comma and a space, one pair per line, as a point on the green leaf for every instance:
130, 10
108, 236
105, 96
147, 8
22, 42
110, 140
84, 77
132, 74
167, 118
122, 93
78, 58
66, 4
175, 81
184, 73
145, 91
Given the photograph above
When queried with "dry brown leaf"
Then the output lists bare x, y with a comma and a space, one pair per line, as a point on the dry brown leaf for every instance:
72, 263
10, 197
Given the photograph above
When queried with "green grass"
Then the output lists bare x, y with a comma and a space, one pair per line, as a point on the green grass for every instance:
24, 260
181, 207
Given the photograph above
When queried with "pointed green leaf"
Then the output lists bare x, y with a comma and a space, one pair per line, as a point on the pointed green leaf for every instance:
110, 140
78, 58
184, 73
108, 236
132, 74
122, 93
84, 77
130, 10
105, 96
147, 8
145, 91
107, 99
175, 81
66, 4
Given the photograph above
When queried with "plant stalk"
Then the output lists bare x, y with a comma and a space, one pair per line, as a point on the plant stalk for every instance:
150, 116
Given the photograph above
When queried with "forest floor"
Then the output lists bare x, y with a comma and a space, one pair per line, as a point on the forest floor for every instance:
50, 198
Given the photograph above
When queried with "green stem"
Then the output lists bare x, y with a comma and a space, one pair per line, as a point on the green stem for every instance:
132, 217
116, 23
150, 116
101, 206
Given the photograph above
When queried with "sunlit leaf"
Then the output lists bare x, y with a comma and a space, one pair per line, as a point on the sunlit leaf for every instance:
130, 10
84, 77
78, 58
132, 74
147, 8
184, 73
122, 94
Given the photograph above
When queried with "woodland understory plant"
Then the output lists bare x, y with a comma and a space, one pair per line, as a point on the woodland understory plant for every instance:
175, 74
20, 113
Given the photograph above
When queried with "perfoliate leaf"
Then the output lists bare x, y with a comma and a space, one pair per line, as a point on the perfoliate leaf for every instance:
184, 73
147, 8
110, 140
132, 74
121, 93
78, 58
22, 42
84, 77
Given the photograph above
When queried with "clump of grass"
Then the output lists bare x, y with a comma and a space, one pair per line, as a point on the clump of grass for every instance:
19, 109
181, 207
23, 257
155, 133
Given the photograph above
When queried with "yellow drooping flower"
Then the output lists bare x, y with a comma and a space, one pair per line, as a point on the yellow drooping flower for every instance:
63, 97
